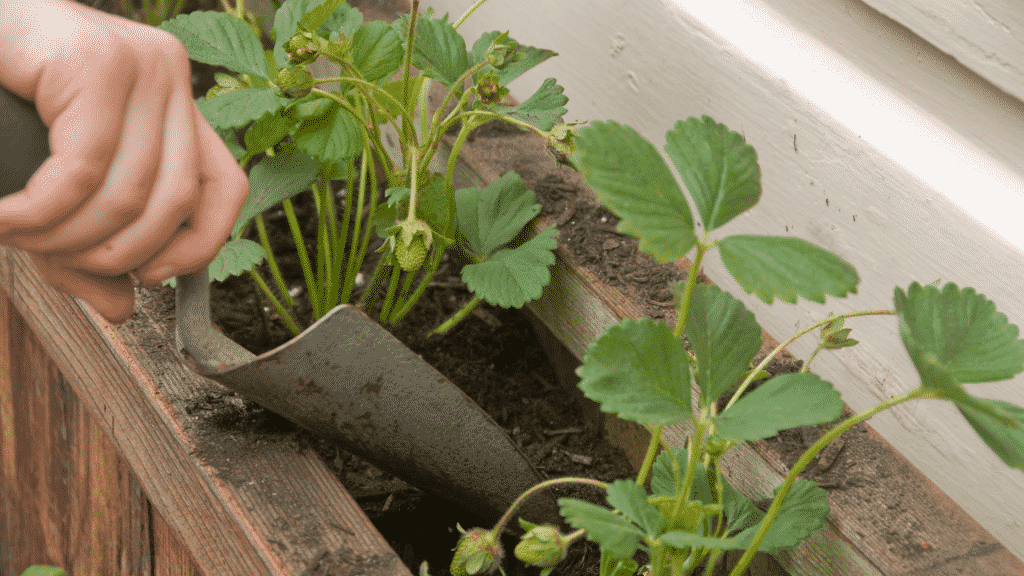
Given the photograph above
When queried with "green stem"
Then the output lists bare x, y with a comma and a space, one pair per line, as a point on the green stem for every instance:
300, 247
807, 364
339, 250
449, 176
356, 258
691, 281
275, 272
696, 441
753, 373
410, 42
402, 297
500, 526
281, 312
652, 452
472, 9
370, 295
428, 275
457, 317
389, 300
805, 459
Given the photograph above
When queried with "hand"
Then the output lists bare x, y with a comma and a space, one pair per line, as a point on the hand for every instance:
137, 181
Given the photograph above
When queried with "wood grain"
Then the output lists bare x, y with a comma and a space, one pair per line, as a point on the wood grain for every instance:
68, 498
270, 509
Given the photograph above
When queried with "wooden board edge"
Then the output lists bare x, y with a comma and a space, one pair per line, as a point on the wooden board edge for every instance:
219, 522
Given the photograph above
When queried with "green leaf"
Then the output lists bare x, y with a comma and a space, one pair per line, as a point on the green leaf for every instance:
528, 58
219, 39
235, 257
331, 135
542, 110
40, 570
395, 89
970, 339
629, 177
719, 168
801, 515
681, 539
786, 401
1006, 440
725, 338
345, 20
609, 530
740, 511
771, 267
266, 132
512, 277
439, 51
317, 16
231, 141
638, 370
274, 179
376, 51
663, 480
492, 216
631, 500
431, 206
239, 107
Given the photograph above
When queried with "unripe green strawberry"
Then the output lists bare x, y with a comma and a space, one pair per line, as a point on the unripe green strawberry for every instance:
303, 47
542, 546
478, 552
295, 82
411, 256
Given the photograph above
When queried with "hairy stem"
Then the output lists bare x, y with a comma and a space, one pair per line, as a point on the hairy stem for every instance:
753, 373
805, 459
652, 451
457, 317
500, 526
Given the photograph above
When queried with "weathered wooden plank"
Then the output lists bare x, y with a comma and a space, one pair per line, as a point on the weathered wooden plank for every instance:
68, 498
267, 509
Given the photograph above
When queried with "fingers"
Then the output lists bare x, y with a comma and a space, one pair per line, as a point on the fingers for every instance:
174, 194
113, 298
223, 190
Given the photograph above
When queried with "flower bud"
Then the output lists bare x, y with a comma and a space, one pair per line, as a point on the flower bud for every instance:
303, 47
542, 546
295, 82
502, 52
478, 552
561, 142
490, 90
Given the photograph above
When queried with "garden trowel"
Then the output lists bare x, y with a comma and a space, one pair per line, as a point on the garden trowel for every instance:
344, 378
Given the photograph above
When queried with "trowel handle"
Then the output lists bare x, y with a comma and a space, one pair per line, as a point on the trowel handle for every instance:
23, 149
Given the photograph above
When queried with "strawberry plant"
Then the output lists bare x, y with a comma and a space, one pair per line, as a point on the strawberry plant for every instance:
643, 371
294, 136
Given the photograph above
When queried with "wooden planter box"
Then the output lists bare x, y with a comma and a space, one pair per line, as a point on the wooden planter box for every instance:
103, 471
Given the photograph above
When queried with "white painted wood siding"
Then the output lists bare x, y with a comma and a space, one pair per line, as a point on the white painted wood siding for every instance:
873, 143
